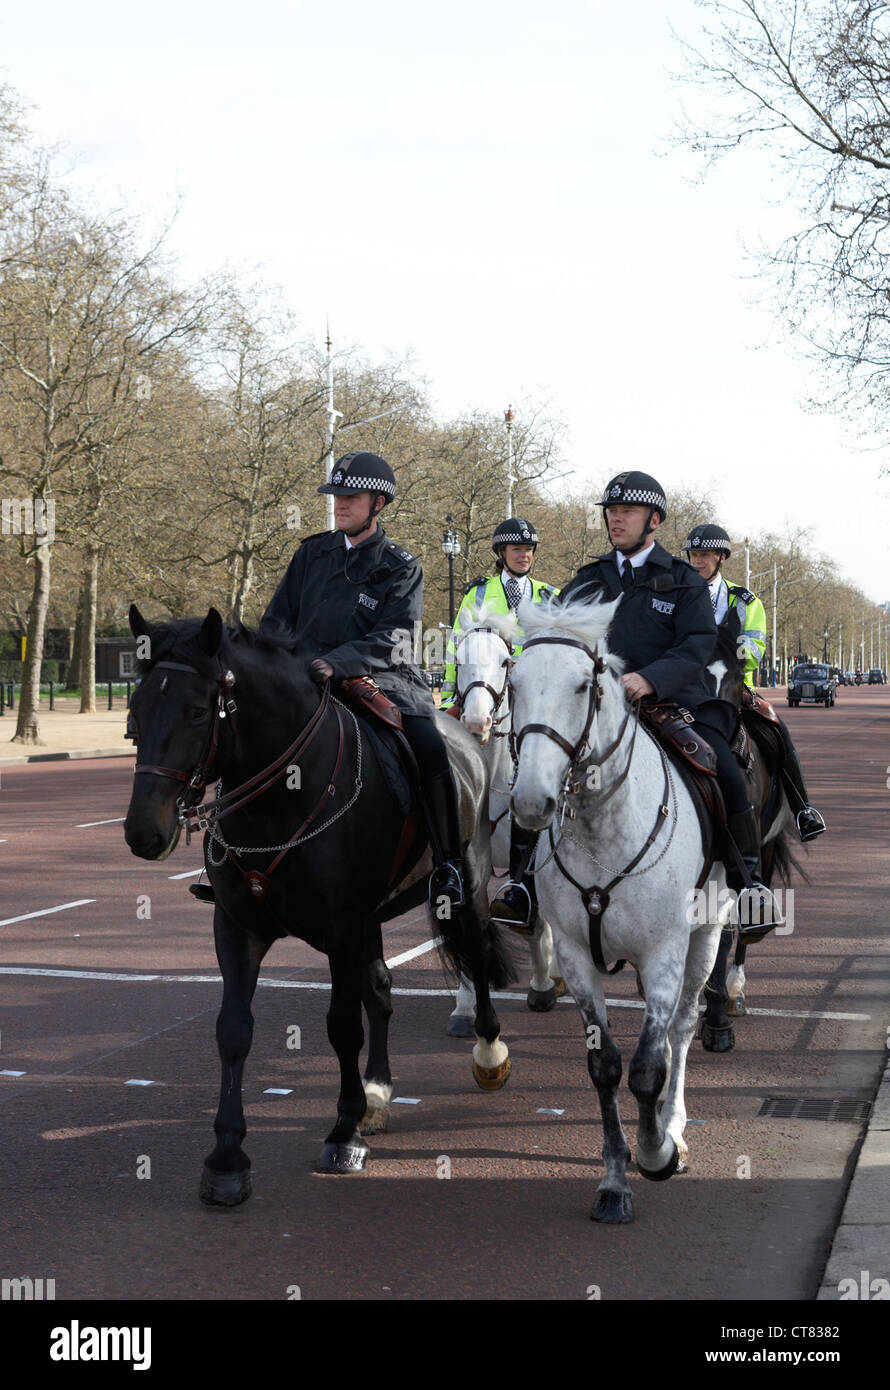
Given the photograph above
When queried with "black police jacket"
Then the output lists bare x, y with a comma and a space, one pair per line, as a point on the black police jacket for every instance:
357, 609
664, 628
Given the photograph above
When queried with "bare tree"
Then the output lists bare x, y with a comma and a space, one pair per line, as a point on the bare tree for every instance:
810, 84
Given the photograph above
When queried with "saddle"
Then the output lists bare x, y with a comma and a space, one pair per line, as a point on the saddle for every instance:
696, 762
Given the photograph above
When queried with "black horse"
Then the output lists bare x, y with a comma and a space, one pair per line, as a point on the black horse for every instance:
724, 991
305, 839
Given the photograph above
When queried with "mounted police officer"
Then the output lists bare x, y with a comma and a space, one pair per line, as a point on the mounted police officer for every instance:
354, 596
666, 632
515, 543
743, 614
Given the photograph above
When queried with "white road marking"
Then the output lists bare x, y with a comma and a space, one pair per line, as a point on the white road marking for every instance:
272, 983
420, 950
189, 873
136, 1082
277, 1091
88, 823
12, 1073
550, 1112
404, 1100
45, 911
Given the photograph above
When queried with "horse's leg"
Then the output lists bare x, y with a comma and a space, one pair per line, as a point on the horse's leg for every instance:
344, 1150
460, 1023
702, 946
491, 1058
377, 999
545, 987
716, 1030
226, 1178
735, 982
657, 1152
614, 1203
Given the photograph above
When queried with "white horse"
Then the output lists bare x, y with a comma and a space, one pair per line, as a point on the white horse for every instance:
483, 661
616, 871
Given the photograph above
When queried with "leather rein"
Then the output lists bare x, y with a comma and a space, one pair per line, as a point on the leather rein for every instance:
204, 815
595, 898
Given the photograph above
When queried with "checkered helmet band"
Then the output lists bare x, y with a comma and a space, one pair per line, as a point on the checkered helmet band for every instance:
708, 538
361, 471
514, 531
635, 489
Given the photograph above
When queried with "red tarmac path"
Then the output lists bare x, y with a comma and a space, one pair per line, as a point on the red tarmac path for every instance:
512, 1220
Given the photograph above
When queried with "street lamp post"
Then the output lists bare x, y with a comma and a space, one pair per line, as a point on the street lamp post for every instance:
451, 547
508, 425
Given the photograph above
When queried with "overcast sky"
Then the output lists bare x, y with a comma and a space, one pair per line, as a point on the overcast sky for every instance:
489, 186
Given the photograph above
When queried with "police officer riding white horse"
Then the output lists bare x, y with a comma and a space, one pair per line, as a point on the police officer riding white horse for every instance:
666, 632
742, 614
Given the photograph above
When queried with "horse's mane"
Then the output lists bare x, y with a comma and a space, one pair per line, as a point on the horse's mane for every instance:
485, 615
178, 639
586, 621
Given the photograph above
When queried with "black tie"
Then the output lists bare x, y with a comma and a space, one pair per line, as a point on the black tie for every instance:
514, 593
627, 576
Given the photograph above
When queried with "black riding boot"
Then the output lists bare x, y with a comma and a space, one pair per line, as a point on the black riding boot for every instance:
443, 824
809, 821
516, 904
757, 907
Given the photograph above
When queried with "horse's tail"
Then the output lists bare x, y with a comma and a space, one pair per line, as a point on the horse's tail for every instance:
782, 861
462, 944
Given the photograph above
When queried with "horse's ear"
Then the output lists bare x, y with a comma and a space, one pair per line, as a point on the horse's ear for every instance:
138, 625
210, 636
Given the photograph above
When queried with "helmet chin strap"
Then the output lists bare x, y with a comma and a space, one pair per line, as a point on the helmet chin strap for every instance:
644, 539
374, 512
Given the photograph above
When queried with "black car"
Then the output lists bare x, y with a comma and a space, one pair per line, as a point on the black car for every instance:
876, 676
813, 683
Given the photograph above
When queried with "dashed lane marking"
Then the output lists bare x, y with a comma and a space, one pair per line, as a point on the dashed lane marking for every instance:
272, 983
420, 950
85, 825
46, 911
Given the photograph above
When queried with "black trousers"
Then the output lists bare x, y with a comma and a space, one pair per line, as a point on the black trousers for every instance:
717, 721
427, 744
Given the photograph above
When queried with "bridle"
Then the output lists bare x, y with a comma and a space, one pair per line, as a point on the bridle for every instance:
496, 696
200, 775
578, 751
206, 815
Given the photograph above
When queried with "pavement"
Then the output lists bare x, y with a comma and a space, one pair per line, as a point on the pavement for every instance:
862, 1238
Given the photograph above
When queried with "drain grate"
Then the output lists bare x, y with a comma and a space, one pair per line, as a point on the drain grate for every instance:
816, 1108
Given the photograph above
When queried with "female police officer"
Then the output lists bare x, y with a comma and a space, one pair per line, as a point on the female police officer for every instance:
353, 597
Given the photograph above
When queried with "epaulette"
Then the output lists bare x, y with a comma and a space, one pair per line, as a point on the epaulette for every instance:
316, 535
742, 592
398, 552
474, 583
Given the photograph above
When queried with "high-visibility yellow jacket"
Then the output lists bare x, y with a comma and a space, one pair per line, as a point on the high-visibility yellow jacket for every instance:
491, 592
751, 618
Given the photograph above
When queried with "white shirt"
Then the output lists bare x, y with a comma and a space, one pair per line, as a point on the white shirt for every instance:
719, 597
523, 581
636, 560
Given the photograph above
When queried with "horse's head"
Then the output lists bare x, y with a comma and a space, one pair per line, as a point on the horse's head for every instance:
483, 658
564, 682
726, 673
176, 711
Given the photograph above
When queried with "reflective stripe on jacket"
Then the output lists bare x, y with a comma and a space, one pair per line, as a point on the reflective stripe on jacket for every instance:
491, 592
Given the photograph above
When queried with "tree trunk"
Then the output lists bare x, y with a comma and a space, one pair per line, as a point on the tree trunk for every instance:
90, 592
242, 585
27, 729
72, 681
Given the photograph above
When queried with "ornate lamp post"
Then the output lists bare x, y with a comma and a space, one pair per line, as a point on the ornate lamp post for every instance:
451, 547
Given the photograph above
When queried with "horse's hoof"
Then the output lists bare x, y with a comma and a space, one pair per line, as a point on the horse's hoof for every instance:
224, 1189
559, 984
717, 1039
375, 1120
461, 1026
737, 1008
682, 1166
661, 1174
613, 1208
541, 1001
492, 1078
343, 1158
